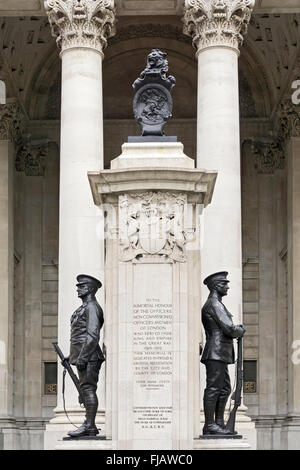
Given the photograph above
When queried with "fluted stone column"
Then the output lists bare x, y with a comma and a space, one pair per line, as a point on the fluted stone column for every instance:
290, 126
82, 28
217, 28
9, 122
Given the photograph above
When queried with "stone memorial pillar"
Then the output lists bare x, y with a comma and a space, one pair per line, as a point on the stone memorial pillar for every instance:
153, 197
82, 28
217, 29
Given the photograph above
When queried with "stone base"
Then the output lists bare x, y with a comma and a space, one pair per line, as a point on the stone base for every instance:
149, 154
290, 435
85, 438
221, 444
20, 435
230, 436
85, 443
243, 425
153, 138
59, 426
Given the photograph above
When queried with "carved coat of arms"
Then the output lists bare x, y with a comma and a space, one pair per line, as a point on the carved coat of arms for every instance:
152, 224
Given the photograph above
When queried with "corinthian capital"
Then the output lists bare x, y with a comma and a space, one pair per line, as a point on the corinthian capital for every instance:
217, 22
81, 23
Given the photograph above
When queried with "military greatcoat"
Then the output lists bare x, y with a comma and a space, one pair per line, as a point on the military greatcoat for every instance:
219, 330
86, 323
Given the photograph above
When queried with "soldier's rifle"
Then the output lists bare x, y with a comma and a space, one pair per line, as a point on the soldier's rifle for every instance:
237, 394
66, 364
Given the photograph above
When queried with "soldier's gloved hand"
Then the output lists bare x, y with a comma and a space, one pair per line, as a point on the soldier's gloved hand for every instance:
66, 359
243, 328
81, 365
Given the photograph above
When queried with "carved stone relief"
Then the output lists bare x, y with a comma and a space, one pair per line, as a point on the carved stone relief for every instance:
217, 22
10, 121
152, 224
268, 157
31, 159
81, 23
289, 120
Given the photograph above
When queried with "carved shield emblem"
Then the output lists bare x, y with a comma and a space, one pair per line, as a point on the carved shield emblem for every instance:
152, 224
152, 230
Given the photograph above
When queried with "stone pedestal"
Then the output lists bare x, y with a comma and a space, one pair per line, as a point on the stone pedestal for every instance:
152, 197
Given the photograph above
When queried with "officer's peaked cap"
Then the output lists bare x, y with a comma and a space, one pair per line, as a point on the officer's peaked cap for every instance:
216, 277
85, 279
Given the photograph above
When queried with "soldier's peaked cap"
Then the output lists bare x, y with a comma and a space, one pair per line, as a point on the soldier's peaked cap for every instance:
85, 279
216, 277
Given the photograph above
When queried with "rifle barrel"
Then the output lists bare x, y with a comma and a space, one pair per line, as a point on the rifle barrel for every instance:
69, 369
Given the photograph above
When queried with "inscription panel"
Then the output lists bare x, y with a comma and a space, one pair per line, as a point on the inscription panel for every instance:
152, 351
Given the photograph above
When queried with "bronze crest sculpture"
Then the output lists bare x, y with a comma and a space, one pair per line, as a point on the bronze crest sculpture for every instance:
153, 103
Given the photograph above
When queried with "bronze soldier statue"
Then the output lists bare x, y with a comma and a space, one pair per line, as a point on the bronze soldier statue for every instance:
85, 352
218, 353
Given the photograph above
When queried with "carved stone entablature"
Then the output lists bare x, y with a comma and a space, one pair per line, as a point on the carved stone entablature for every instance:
152, 224
217, 22
31, 158
81, 23
10, 122
289, 120
268, 157
150, 30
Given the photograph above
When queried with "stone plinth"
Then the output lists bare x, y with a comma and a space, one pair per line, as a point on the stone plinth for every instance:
84, 444
221, 444
152, 198
60, 425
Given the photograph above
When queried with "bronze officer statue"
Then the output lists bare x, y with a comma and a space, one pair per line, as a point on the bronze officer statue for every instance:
85, 352
218, 353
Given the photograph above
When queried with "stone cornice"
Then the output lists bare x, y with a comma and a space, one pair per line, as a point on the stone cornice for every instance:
81, 23
217, 23
10, 121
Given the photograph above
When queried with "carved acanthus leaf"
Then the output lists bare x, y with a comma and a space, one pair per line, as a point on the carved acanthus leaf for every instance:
217, 22
81, 23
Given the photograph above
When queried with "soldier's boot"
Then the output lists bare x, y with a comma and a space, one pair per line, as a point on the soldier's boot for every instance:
210, 426
220, 410
81, 431
88, 428
91, 405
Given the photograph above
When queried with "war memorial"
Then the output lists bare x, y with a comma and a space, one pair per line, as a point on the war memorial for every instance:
149, 225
